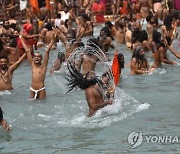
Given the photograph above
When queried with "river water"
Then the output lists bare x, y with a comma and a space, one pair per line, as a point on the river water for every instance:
59, 123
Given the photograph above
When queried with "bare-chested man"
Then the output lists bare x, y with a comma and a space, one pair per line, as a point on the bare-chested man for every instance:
58, 62
173, 51
12, 50
160, 9
87, 82
156, 40
139, 64
6, 28
104, 41
119, 31
6, 72
39, 67
163, 53
88, 60
145, 6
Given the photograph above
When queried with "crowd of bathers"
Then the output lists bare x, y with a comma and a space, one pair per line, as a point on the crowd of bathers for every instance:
141, 25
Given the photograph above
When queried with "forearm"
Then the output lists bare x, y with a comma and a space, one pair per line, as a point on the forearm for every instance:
141, 71
167, 61
174, 52
101, 105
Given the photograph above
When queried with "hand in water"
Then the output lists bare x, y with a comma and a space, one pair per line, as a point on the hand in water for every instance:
5, 125
110, 102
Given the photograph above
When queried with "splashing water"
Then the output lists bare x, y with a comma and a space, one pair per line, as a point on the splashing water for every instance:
123, 107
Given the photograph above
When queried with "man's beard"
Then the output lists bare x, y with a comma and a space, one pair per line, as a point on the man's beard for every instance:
6, 27
4, 67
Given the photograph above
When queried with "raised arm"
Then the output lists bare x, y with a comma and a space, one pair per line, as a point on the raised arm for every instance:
27, 50
163, 57
46, 56
14, 66
174, 52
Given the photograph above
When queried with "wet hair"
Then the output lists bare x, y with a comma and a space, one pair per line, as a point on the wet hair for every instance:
135, 35
92, 46
156, 36
48, 26
13, 43
169, 40
108, 24
107, 31
73, 33
4, 57
80, 44
1, 114
86, 18
121, 64
138, 56
59, 15
37, 53
156, 21
93, 42
43, 17
66, 23
168, 22
61, 56
143, 36
1, 45
148, 18
175, 15
76, 79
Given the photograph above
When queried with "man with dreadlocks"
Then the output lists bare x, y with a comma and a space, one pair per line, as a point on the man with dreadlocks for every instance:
91, 84
139, 64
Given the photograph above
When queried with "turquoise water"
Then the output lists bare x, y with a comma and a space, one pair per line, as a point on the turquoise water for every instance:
58, 124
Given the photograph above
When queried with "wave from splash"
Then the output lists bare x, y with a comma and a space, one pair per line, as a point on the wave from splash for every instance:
123, 107
6, 92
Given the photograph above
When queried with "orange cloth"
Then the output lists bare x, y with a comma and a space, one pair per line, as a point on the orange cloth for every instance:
48, 4
124, 9
115, 69
35, 5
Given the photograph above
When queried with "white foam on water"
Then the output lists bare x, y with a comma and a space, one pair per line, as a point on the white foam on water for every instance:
162, 71
6, 92
123, 107
142, 107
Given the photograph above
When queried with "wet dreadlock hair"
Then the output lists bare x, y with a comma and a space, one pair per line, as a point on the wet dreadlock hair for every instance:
48, 26
1, 114
136, 54
143, 36
61, 56
1, 45
76, 79
121, 63
156, 36
168, 22
135, 35
93, 42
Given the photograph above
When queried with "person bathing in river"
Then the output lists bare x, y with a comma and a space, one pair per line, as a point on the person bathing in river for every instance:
89, 83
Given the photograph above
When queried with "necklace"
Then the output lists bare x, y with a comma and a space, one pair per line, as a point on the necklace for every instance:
5, 81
